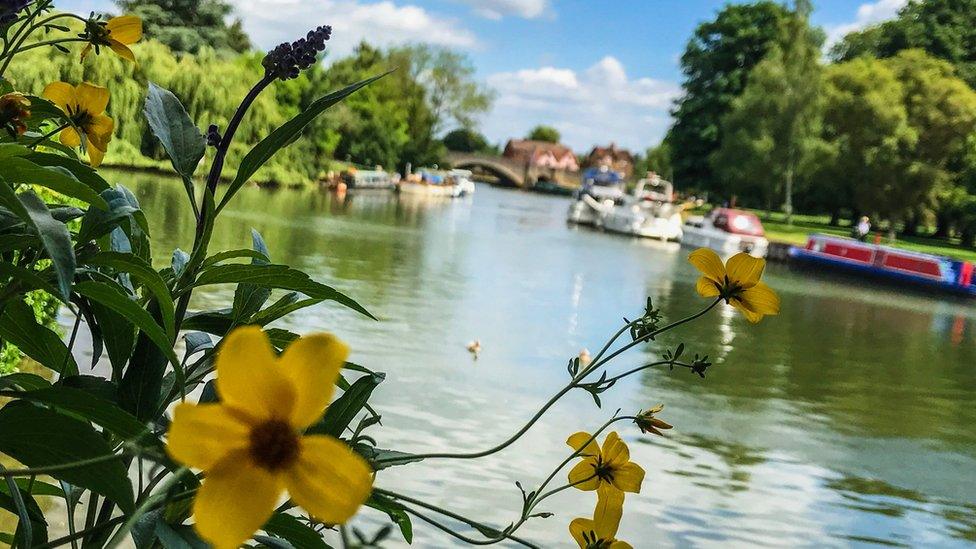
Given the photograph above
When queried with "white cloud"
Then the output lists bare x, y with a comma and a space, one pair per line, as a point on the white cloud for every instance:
382, 23
867, 14
497, 9
597, 105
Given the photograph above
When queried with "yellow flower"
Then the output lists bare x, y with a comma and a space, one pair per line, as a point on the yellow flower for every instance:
599, 532
647, 423
608, 469
737, 282
85, 106
251, 445
118, 34
13, 112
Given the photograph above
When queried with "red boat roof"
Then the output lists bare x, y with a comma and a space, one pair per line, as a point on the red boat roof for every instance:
737, 221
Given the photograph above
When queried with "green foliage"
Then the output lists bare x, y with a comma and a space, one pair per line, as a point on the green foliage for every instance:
945, 29
45, 310
716, 63
773, 130
467, 140
544, 133
189, 25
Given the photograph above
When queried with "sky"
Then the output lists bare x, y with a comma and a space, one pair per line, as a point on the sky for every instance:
599, 71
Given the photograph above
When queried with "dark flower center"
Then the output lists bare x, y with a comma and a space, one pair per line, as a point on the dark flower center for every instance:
593, 541
274, 445
603, 471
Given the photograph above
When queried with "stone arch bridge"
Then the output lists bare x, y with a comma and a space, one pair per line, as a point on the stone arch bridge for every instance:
510, 172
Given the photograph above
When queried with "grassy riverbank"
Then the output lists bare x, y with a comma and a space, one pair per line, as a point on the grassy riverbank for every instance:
777, 230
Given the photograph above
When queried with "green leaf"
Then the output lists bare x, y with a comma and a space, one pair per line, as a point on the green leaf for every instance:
31, 526
24, 381
99, 411
98, 223
151, 279
381, 459
39, 437
114, 299
248, 298
340, 413
263, 151
19, 326
220, 257
178, 537
82, 172
56, 178
170, 123
29, 279
298, 534
395, 511
276, 276
54, 234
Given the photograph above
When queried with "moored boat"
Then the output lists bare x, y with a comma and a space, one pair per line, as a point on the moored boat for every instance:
452, 184
369, 179
649, 212
927, 270
601, 189
727, 231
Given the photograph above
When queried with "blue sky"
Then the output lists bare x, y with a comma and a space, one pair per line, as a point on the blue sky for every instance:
599, 71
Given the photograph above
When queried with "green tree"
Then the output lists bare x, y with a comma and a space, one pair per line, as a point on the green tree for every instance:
716, 63
545, 133
773, 129
944, 28
189, 25
466, 140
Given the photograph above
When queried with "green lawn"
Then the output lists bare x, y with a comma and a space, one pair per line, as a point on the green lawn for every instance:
777, 230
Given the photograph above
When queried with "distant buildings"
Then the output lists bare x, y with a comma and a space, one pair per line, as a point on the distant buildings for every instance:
541, 154
618, 160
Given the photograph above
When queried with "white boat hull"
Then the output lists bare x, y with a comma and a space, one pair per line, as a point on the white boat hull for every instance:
726, 244
588, 211
620, 220
422, 189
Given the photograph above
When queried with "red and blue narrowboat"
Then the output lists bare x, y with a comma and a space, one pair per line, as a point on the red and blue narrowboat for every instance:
927, 270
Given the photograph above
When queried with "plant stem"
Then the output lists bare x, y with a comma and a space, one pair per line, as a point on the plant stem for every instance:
81, 533
48, 135
46, 469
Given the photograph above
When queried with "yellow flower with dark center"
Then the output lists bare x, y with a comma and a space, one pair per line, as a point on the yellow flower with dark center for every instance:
84, 106
647, 423
14, 112
737, 282
117, 34
251, 445
608, 468
600, 531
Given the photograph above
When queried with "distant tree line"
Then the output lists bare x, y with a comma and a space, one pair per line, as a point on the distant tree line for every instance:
886, 128
210, 65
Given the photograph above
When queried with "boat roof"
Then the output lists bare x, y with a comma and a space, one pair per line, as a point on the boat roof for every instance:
889, 249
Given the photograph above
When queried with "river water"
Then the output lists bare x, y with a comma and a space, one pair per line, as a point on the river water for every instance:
847, 419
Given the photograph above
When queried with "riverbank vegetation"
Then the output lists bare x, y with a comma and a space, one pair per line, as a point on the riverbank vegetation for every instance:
886, 127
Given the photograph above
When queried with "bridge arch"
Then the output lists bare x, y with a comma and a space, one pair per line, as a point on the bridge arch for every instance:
504, 173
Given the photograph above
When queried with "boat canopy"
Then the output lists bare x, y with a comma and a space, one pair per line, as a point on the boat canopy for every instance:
602, 176
737, 222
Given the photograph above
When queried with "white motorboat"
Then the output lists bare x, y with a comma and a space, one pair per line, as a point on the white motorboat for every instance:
370, 179
452, 184
726, 231
601, 189
649, 212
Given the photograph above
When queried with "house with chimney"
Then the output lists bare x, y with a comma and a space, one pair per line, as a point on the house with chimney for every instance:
613, 157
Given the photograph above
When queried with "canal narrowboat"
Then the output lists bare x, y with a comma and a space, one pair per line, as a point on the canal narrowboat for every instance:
727, 231
931, 271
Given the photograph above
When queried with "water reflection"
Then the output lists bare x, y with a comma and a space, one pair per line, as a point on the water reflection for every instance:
846, 419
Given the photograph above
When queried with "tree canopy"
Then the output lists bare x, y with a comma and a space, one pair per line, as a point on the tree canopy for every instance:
189, 25
716, 63
467, 140
544, 133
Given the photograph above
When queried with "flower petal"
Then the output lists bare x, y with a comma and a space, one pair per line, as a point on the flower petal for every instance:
709, 263
70, 137
202, 435
579, 527
61, 94
751, 316
577, 440
621, 545
99, 131
95, 155
615, 450
91, 98
330, 481
127, 29
236, 499
707, 287
85, 51
628, 477
745, 270
312, 364
583, 476
609, 509
122, 50
761, 299
248, 378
